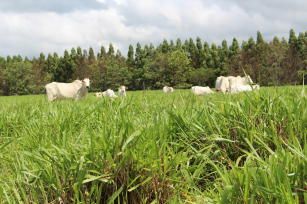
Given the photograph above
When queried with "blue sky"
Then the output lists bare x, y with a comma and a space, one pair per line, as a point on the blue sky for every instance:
28, 27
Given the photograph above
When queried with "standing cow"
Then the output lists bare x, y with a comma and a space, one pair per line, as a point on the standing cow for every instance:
76, 90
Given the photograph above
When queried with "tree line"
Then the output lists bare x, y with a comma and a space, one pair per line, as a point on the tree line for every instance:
180, 64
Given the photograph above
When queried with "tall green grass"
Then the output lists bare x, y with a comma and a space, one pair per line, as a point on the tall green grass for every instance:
152, 147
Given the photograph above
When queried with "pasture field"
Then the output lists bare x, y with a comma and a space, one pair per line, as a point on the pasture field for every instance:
152, 147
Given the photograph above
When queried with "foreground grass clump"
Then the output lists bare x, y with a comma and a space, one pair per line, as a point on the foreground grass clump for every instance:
153, 147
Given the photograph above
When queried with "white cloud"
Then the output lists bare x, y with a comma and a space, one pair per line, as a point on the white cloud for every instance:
120, 2
124, 22
31, 33
101, 1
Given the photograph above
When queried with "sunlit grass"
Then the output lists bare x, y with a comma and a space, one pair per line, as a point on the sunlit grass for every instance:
155, 147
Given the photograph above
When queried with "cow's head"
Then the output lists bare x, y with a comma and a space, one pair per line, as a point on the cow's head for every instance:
123, 88
86, 82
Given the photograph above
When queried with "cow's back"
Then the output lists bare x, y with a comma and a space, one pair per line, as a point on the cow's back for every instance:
199, 90
57, 90
67, 90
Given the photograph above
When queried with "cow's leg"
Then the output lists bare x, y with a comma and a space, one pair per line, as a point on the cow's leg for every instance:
51, 97
77, 97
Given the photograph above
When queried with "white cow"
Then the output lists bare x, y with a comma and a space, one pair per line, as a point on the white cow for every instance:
224, 84
239, 83
77, 89
218, 83
200, 90
122, 90
167, 89
109, 93
235, 82
242, 88
98, 94
246, 80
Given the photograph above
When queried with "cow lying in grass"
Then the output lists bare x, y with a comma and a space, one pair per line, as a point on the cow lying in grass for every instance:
167, 89
224, 84
200, 90
242, 88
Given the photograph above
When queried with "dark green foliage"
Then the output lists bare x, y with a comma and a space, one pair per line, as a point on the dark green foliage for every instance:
194, 62
259, 38
111, 49
273, 63
64, 70
275, 40
292, 39
202, 77
234, 48
16, 78
91, 57
302, 45
102, 51
165, 46
178, 43
130, 56
118, 53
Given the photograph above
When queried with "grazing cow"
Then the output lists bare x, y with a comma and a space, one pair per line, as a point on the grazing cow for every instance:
98, 94
109, 93
167, 89
242, 88
76, 90
122, 90
200, 90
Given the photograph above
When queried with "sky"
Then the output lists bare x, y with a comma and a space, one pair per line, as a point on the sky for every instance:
29, 27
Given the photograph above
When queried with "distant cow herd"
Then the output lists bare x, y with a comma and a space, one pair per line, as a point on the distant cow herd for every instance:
79, 88
224, 84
